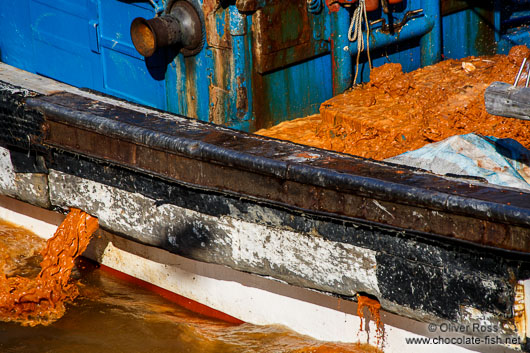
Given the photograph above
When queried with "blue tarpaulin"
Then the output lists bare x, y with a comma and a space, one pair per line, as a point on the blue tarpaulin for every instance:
502, 162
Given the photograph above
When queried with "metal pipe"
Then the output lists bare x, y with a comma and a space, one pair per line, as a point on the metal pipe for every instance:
431, 42
428, 27
149, 35
414, 28
342, 62
519, 73
181, 27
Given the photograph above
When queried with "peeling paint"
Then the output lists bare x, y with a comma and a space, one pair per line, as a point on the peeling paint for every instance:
305, 256
7, 173
29, 187
295, 257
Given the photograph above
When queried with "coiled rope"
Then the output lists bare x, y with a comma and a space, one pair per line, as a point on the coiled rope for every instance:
355, 33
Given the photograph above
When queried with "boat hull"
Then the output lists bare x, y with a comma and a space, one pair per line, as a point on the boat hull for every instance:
432, 250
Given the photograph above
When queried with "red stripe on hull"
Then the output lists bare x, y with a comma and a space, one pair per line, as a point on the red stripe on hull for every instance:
189, 304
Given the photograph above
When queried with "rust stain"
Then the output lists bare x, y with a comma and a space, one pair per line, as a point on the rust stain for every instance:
519, 311
218, 99
374, 307
213, 11
191, 88
247, 5
306, 155
283, 35
219, 95
241, 98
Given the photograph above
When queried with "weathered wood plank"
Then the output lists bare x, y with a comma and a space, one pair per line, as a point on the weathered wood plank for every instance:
504, 99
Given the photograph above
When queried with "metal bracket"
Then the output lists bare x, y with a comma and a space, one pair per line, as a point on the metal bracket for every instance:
389, 28
94, 35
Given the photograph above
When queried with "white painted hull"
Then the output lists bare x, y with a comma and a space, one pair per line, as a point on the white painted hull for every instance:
247, 297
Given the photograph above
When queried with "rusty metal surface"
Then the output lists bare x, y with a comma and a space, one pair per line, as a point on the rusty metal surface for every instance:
217, 24
284, 33
143, 37
294, 176
247, 5
452, 6
180, 27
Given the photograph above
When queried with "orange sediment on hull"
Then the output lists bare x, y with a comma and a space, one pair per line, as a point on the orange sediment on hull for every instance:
40, 300
398, 112
374, 307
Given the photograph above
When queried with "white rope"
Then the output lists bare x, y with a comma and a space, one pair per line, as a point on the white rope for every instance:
355, 33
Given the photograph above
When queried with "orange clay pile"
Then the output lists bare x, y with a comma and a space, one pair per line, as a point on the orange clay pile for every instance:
40, 300
397, 112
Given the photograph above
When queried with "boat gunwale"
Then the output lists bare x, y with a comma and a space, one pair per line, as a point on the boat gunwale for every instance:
479, 200
285, 162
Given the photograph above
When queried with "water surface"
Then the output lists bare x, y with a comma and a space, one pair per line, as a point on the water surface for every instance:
114, 315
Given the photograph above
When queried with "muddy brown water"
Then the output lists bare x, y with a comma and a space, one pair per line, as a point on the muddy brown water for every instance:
114, 315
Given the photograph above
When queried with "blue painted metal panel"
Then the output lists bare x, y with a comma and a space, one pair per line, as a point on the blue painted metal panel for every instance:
87, 43
469, 32
16, 45
512, 24
62, 35
459, 33
126, 73
298, 91
131, 78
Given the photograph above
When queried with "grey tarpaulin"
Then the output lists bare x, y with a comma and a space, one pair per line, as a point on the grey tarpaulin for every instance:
499, 161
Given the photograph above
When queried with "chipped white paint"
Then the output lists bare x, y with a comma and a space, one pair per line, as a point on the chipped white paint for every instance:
14, 90
253, 246
251, 298
525, 306
31, 187
323, 261
480, 323
7, 173
478, 317
519, 309
310, 260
